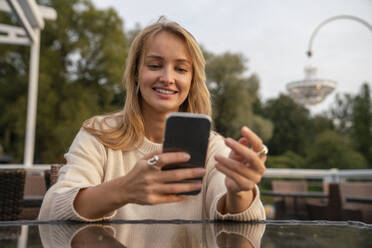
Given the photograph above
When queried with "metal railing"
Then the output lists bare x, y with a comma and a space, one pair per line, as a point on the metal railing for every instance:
34, 169
328, 176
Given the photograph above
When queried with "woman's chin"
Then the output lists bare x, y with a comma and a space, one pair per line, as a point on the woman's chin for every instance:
164, 109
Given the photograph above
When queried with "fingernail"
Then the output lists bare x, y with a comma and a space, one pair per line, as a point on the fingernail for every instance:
197, 186
186, 156
245, 128
201, 171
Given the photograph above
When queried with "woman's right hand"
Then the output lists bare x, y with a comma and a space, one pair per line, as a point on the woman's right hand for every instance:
142, 185
146, 185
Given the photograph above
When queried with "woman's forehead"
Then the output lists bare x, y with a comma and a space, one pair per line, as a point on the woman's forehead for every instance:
165, 42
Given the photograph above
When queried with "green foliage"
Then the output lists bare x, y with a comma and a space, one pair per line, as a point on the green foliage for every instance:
341, 113
288, 160
321, 123
82, 59
233, 96
13, 85
353, 117
331, 150
361, 129
347, 146
292, 125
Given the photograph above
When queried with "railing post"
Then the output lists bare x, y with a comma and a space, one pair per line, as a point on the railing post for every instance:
332, 177
32, 101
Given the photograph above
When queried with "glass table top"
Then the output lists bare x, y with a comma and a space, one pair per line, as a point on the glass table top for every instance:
185, 234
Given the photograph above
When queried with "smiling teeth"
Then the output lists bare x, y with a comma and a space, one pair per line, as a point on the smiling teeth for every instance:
168, 92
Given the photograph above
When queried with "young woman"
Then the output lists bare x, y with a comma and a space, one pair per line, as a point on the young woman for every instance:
114, 164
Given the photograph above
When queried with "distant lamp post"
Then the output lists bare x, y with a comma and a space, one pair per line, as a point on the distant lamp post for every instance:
312, 90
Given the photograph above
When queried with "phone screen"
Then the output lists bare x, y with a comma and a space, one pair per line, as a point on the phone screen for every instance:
188, 133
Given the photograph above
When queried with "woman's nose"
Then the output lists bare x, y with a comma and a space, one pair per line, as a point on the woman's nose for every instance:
167, 76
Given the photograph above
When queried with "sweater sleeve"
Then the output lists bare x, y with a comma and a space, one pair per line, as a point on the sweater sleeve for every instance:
251, 232
85, 167
216, 189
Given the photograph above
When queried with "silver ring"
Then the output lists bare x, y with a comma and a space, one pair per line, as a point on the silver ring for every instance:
264, 151
152, 162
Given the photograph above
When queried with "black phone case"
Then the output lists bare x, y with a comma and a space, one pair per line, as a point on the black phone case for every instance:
188, 134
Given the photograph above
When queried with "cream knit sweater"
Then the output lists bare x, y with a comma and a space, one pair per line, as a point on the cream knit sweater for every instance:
90, 163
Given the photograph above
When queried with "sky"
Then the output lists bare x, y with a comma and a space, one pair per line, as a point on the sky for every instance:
273, 36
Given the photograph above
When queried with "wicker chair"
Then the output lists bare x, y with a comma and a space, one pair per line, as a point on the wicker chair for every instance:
33, 194
51, 176
12, 182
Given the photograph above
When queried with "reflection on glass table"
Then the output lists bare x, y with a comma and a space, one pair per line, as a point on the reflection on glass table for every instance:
186, 234
152, 235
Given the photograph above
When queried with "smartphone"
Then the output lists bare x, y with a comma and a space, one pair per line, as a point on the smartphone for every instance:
187, 132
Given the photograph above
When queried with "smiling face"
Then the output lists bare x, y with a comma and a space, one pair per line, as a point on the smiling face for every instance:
165, 74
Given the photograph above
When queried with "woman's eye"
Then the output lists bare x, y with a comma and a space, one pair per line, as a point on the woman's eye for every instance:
181, 69
153, 66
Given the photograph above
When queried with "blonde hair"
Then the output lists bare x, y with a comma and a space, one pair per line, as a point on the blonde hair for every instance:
125, 129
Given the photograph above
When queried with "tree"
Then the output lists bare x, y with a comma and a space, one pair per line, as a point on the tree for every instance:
292, 125
331, 150
352, 116
287, 160
13, 87
361, 129
233, 96
81, 65
341, 113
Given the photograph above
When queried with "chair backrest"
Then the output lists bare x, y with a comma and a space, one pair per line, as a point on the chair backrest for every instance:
357, 189
34, 184
12, 182
51, 176
289, 186
329, 210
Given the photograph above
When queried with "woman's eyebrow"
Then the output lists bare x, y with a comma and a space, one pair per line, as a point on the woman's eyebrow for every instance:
153, 57
161, 58
184, 61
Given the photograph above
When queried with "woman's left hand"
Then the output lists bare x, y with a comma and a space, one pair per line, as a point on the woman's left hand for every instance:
245, 166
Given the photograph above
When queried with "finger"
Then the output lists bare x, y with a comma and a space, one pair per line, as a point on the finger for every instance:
176, 188
248, 154
244, 141
170, 158
162, 198
152, 154
264, 158
180, 174
236, 156
239, 168
252, 139
242, 182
